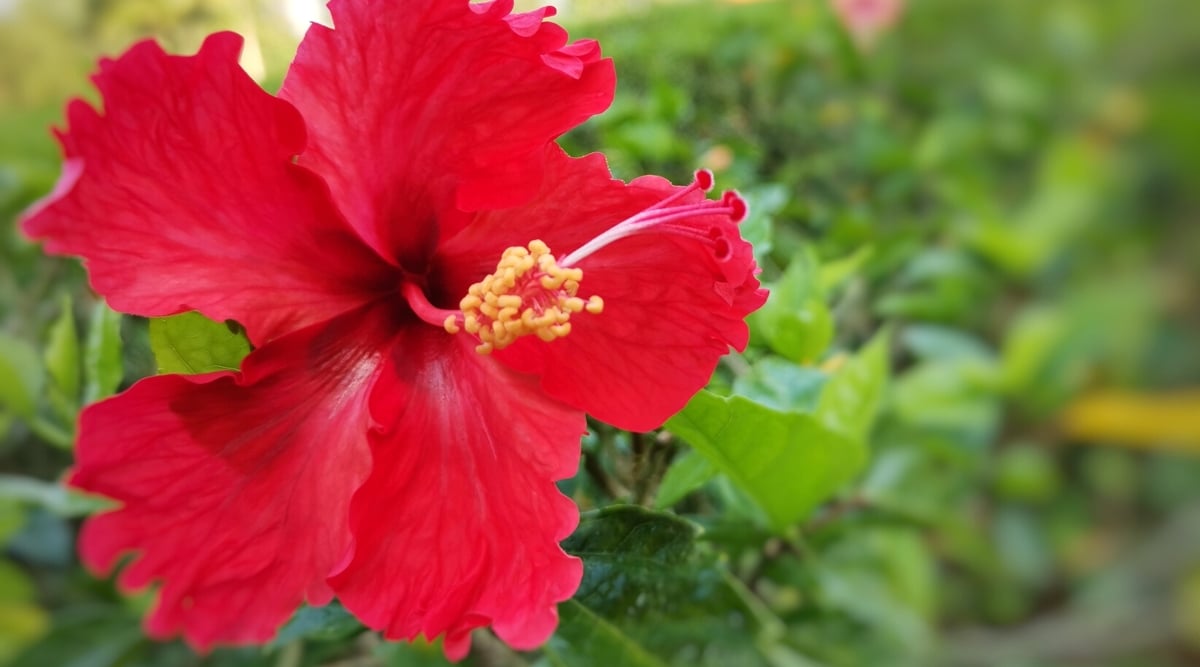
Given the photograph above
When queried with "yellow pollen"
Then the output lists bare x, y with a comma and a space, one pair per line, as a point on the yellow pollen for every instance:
528, 293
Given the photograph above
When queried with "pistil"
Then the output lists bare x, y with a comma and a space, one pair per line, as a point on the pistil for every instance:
691, 220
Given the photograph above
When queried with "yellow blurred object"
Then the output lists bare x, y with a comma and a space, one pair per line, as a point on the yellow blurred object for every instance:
1155, 421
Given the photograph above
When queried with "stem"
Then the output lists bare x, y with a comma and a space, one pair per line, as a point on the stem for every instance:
595, 470
641, 476
836, 510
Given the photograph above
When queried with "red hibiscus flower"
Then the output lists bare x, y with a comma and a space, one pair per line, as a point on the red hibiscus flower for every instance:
436, 292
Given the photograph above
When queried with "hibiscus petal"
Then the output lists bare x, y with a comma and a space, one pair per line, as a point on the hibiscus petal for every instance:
183, 193
672, 307
458, 525
234, 487
421, 110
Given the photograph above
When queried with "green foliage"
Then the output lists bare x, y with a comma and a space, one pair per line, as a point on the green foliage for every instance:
102, 355
851, 398
688, 473
191, 343
586, 639
329, 623
92, 636
54, 498
20, 376
795, 322
21, 620
62, 359
781, 384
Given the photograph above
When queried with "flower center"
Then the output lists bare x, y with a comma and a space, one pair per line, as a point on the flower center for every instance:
529, 293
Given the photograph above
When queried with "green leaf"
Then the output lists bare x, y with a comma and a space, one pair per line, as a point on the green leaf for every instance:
788, 462
85, 636
624, 537
20, 377
651, 594
932, 342
688, 473
1034, 341
191, 343
884, 578
417, 653
12, 519
939, 284
1026, 472
62, 355
1073, 177
328, 623
102, 355
781, 384
949, 396
834, 273
584, 639
764, 201
22, 622
795, 322
54, 498
852, 396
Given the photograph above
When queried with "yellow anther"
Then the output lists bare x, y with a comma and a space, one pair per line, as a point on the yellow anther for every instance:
471, 323
528, 293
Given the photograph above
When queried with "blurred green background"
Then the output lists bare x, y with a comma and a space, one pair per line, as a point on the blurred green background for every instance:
1003, 195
